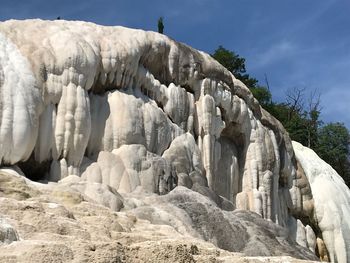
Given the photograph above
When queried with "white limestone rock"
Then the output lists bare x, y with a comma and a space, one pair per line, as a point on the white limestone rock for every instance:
130, 167
134, 111
310, 238
332, 202
184, 157
100, 193
94, 89
8, 233
59, 225
128, 117
195, 214
20, 106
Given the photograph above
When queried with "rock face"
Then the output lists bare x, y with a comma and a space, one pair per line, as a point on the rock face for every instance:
332, 203
130, 108
116, 114
57, 222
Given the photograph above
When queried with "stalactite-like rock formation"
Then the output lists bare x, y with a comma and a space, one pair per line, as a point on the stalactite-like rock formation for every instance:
136, 110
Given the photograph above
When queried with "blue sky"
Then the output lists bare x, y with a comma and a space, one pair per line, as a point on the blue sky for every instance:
302, 44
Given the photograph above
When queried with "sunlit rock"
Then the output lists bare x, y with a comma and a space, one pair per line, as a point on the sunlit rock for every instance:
127, 111
332, 202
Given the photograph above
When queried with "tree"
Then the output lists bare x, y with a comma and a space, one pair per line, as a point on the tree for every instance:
333, 147
300, 119
294, 99
160, 25
236, 65
230, 60
313, 114
263, 95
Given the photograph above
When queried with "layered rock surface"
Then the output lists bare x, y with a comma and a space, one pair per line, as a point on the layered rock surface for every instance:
130, 108
58, 222
332, 202
118, 114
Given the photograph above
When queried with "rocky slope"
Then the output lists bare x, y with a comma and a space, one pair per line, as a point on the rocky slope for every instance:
58, 222
125, 118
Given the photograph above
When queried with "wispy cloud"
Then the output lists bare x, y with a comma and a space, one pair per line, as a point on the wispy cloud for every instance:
277, 51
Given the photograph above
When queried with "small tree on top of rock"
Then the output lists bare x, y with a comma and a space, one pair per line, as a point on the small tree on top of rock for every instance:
160, 25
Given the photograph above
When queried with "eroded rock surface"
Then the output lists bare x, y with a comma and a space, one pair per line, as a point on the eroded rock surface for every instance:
332, 203
131, 108
61, 224
116, 114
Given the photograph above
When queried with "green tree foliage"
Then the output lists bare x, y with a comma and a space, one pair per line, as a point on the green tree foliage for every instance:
293, 121
263, 95
300, 120
236, 65
333, 147
160, 25
230, 60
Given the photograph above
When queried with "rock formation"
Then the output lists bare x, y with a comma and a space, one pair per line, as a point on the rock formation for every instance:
332, 203
118, 114
58, 222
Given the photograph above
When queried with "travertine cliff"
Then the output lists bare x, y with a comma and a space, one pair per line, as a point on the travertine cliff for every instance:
137, 112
